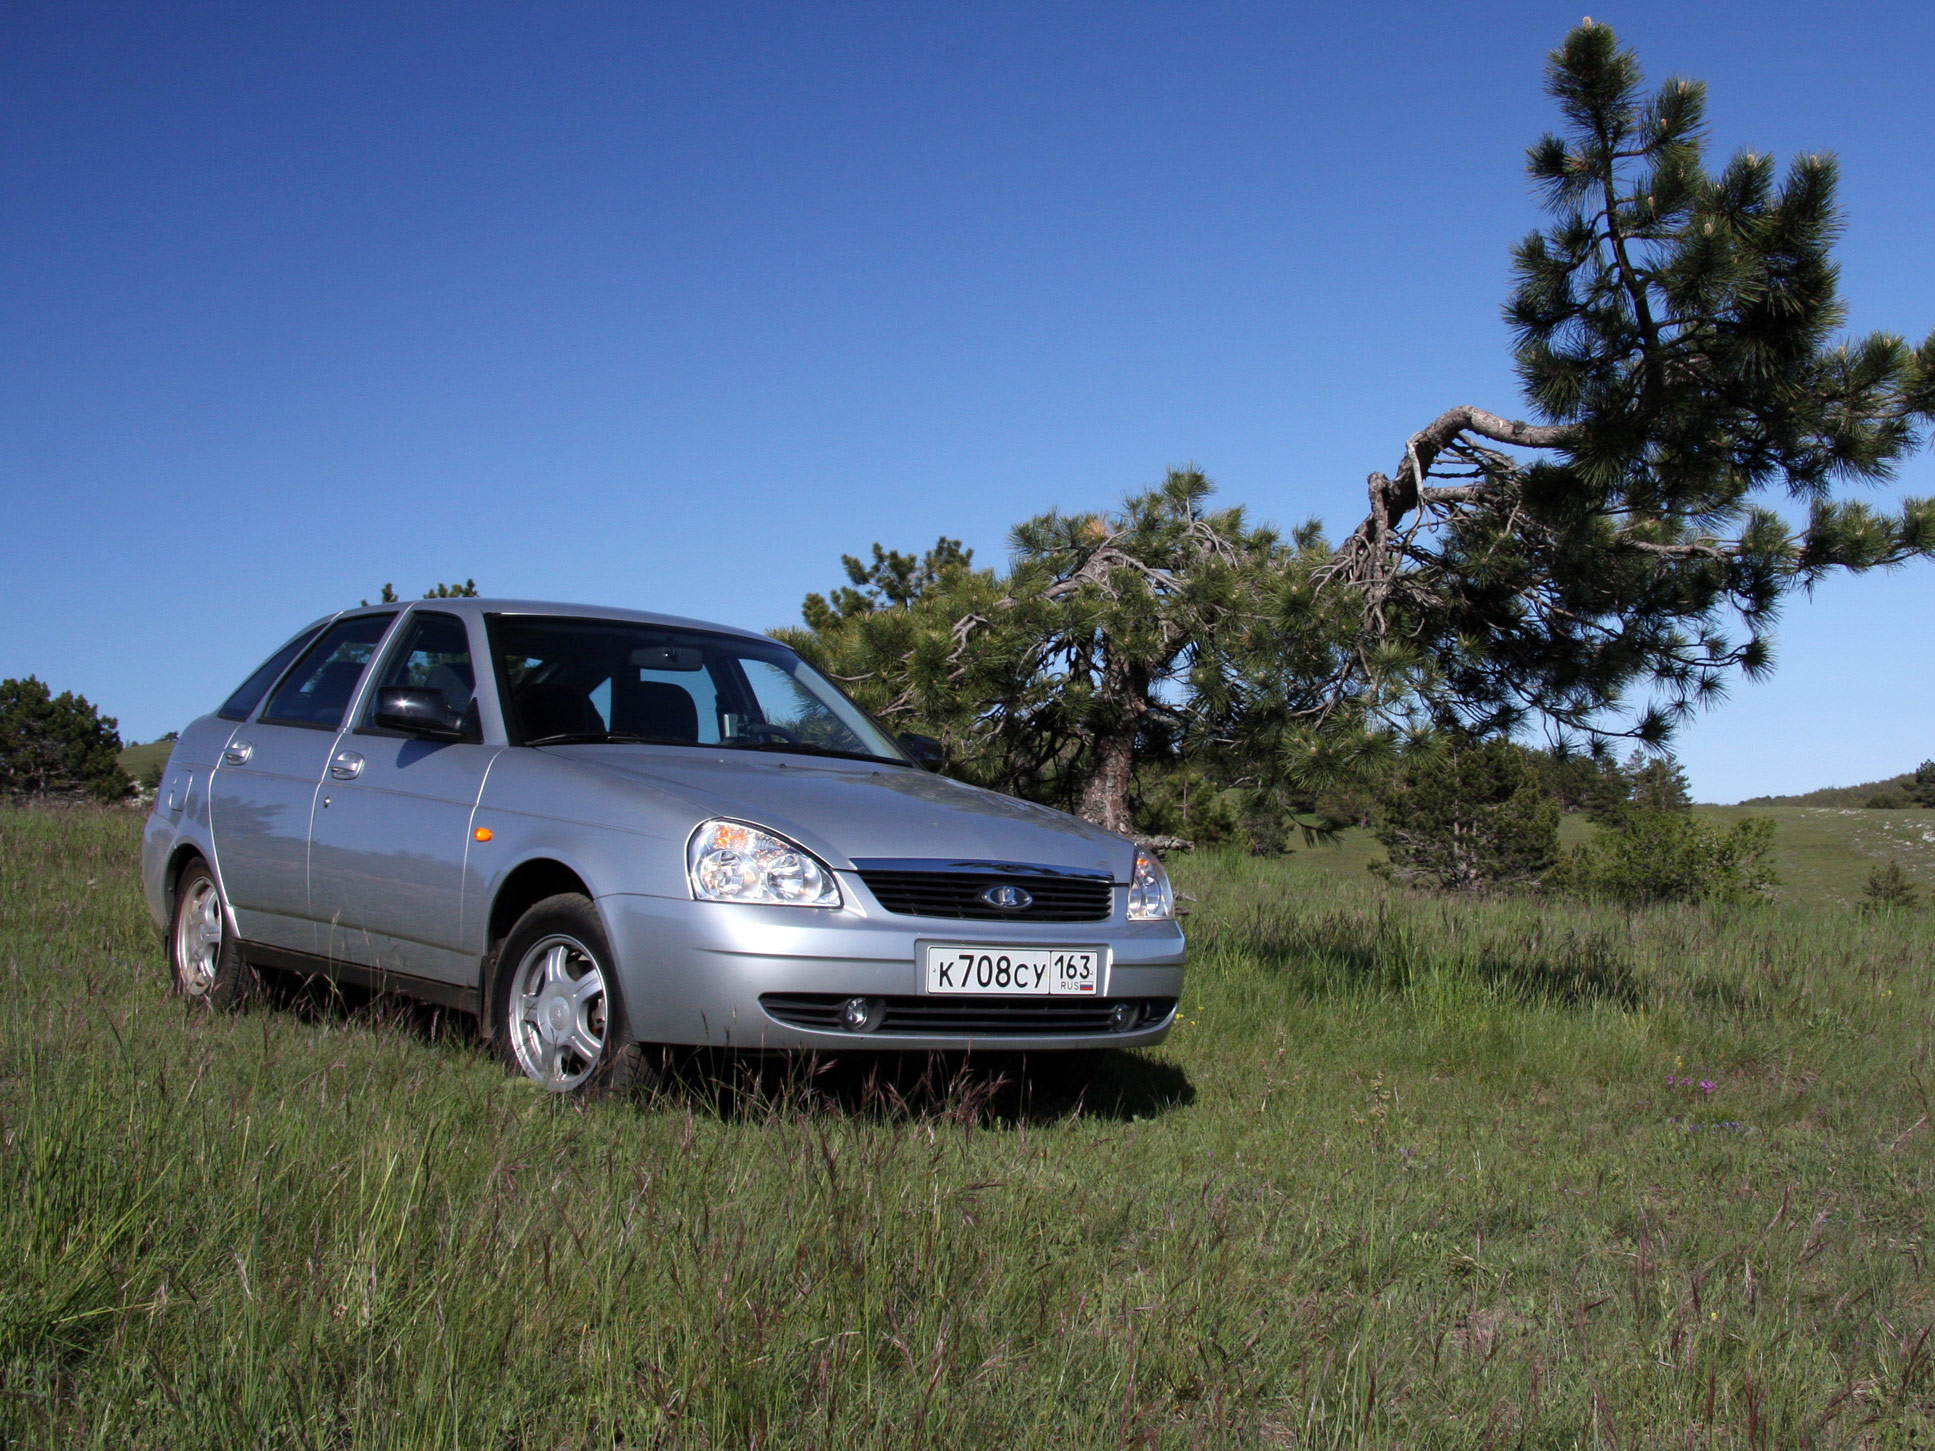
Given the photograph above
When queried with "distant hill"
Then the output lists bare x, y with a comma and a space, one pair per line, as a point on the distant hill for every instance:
1822, 855
1860, 795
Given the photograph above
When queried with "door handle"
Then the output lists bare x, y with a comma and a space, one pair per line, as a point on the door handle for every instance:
347, 766
237, 754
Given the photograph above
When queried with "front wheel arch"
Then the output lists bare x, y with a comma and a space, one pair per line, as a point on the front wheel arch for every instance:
523, 887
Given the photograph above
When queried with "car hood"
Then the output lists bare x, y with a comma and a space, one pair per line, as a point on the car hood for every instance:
848, 810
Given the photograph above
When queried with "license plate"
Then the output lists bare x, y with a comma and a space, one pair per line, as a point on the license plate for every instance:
1025, 972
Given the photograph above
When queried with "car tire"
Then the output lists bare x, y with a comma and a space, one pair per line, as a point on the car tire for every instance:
203, 957
558, 1014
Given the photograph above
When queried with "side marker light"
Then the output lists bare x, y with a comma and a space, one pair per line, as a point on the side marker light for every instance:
482, 833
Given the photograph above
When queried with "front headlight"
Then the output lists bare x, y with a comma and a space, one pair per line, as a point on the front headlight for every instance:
729, 861
1151, 898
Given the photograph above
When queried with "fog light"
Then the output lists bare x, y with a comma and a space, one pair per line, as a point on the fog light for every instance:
1124, 1016
862, 1015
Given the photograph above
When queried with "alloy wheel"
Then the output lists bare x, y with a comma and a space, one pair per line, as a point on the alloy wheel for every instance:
198, 937
558, 1013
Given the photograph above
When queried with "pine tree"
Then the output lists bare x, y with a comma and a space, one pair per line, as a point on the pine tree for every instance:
465, 591
57, 745
1921, 790
893, 581
1889, 890
1469, 817
1114, 639
1676, 335
1658, 783
1605, 568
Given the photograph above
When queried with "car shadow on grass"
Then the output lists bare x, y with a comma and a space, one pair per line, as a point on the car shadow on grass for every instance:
995, 1088
991, 1089
317, 999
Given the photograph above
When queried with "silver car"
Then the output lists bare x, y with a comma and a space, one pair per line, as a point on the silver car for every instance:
598, 829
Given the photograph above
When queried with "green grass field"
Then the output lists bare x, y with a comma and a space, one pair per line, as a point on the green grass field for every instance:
1410, 1173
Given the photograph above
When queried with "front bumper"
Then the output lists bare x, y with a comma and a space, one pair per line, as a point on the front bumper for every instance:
733, 975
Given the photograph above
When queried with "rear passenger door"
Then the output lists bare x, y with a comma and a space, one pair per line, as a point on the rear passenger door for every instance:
263, 789
391, 831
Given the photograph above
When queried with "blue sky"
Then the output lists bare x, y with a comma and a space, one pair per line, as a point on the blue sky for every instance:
671, 306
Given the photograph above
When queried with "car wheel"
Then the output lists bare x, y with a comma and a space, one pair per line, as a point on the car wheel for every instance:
558, 1009
203, 956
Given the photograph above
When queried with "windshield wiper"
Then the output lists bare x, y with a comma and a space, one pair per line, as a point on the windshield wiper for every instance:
806, 748
607, 738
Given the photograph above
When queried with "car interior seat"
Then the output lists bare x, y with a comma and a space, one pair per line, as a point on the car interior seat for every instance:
653, 708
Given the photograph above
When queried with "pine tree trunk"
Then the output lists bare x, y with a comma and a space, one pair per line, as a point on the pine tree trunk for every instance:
1105, 795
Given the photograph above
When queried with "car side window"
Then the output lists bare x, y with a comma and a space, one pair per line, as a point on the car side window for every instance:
251, 691
433, 654
317, 691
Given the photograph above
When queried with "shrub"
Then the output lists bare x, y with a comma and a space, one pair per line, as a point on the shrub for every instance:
1654, 856
1469, 818
57, 745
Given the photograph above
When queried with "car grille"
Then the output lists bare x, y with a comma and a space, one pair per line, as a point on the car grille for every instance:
958, 895
969, 1017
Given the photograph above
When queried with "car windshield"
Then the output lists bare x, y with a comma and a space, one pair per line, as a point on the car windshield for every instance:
572, 681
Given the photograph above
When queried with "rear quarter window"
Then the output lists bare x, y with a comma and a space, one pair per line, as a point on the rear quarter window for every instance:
249, 694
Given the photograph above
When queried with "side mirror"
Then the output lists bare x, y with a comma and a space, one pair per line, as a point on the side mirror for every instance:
418, 710
925, 750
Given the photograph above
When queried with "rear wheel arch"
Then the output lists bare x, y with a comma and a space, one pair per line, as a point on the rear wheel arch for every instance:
179, 860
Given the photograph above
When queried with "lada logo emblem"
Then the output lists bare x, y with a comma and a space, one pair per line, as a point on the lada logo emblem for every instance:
1010, 899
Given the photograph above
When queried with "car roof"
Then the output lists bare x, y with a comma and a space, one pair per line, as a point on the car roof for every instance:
471, 605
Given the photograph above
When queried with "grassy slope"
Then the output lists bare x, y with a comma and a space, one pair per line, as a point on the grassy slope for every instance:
1408, 1173
136, 760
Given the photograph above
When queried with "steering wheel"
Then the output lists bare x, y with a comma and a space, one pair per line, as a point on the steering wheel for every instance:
766, 731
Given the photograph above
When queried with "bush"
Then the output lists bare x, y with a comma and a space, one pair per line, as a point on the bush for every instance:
1656, 855
57, 745
1470, 818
